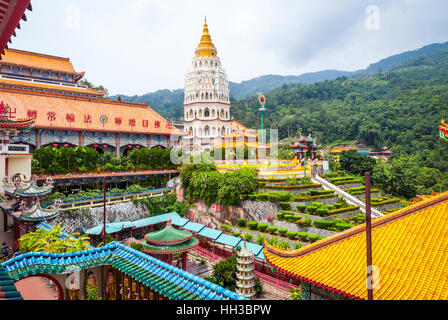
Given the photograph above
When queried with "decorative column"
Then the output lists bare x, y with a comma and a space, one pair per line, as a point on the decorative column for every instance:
148, 141
38, 139
117, 145
81, 139
184, 261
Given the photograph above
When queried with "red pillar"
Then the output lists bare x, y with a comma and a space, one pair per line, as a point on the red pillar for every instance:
148, 141
81, 139
7, 167
170, 259
184, 261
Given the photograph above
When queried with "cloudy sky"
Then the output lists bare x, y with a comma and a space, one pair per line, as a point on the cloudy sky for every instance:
139, 46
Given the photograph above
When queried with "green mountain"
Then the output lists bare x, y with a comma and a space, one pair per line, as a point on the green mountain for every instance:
400, 108
169, 102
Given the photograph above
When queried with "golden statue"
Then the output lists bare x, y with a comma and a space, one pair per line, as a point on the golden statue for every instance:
110, 286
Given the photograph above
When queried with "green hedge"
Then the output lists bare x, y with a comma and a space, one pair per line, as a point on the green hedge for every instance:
301, 208
241, 223
272, 229
252, 225
302, 235
342, 226
322, 212
343, 210
378, 204
262, 226
280, 215
236, 234
285, 205
226, 227
291, 234
313, 237
323, 224
282, 231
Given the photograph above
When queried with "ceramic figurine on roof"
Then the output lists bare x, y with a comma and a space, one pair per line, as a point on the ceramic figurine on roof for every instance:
168, 241
304, 145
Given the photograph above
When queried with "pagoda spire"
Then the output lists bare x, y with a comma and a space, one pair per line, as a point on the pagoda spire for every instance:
206, 46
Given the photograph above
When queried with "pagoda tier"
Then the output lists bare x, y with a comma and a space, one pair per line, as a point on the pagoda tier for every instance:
245, 283
169, 241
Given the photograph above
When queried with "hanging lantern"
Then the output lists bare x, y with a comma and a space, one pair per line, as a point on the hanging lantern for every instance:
66, 145
104, 146
129, 147
138, 147
95, 146
54, 145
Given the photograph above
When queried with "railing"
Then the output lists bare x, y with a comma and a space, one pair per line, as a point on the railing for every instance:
209, 255
350, 199
111, 199
280, 284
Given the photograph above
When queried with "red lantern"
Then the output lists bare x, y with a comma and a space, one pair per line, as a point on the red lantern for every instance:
104, 146
54, 145
138, 147
129, 147
66, 145
95, 146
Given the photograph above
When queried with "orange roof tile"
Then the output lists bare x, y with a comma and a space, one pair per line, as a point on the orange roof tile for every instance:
37, 60
49, 86
410, 248
62, 112
235, 125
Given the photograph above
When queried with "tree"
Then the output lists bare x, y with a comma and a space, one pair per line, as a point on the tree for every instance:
353, 162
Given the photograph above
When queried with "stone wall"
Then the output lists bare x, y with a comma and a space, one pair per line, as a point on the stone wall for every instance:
91, 217
293, 191
350, 186
362, 196
309, 230
388, 206
260, 211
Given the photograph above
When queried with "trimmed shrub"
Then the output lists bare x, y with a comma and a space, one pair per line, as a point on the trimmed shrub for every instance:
307, 222
294, 218
343, 210
272, 197
342, 226
285, 205
323, 224
311, 209
338, 205
317, 204
330, 207
287, 216
262, 227
272, 229
262, 197
302, 236
280, 215
322, 212
282, 231
226, 227
236, 234
301, 208
252, 225
313, 237
241, 223
291, 234
253, 197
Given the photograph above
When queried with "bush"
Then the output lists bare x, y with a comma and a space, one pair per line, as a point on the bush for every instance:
302, 236
342, 226
262, 227
322, 212
313, 237
301, 208
307, 222
253, 197
291, 234
330, 207
226, 227
272, 197
252, 225
282, 231
272, 229
260, 239
311, 209
280, 215
248, 236
323, 224
297, 245
236, 234
262, 197
285, 205
241, 223
294, 218
338, 205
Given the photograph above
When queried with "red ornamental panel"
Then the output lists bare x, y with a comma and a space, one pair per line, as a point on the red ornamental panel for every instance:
87, 118
118, 121
132, 122
145, 123
70, 117
31, 114
12, 113
157, 124
169, 125
51, 116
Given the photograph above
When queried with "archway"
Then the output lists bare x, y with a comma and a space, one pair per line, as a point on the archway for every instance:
35, 287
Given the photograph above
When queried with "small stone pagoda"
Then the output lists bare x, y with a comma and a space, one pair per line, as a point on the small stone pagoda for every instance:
165, 243
21, 201
245, 283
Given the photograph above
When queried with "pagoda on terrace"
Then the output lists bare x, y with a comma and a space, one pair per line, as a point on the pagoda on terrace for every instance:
21, 201
304, 145
165, 243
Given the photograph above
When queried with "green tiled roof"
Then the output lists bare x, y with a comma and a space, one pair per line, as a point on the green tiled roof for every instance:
168, 234
8, 289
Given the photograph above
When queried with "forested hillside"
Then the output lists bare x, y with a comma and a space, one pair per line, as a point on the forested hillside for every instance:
401, 108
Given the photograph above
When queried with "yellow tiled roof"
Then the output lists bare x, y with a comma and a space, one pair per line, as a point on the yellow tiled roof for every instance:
37, 60
410, 248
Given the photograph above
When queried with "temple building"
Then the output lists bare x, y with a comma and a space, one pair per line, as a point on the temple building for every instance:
207, 101
46, 88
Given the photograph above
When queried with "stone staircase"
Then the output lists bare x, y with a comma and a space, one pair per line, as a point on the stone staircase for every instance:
349, 198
